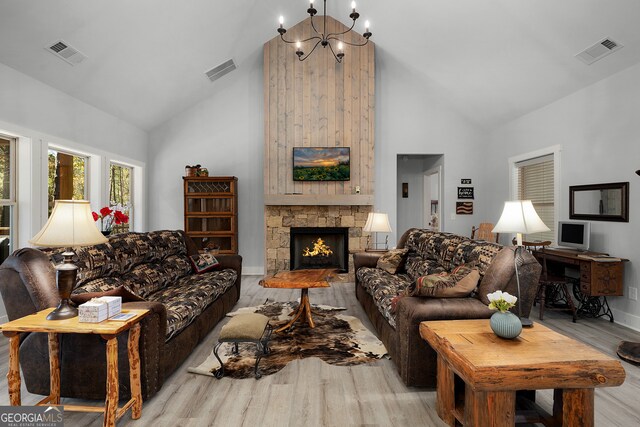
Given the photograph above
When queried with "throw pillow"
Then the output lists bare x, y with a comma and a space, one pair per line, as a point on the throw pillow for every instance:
203, 262
457, 284
392, 260
120, 291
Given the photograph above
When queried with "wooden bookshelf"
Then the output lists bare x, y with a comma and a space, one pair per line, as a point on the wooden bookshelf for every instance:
211, 212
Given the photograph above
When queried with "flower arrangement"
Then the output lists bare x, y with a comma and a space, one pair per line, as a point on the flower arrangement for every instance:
501, 301
108, 217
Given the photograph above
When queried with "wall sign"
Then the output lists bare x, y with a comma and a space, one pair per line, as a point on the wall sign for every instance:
465, 181
465, 192
464, 208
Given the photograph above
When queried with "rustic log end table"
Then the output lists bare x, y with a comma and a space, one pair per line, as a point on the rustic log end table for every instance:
109, 331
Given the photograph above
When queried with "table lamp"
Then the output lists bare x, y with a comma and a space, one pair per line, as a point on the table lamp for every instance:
70, 225
519, 217
377, 223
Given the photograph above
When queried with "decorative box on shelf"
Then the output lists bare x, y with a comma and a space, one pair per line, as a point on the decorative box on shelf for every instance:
93, 311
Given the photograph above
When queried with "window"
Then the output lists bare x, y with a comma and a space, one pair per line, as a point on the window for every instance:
67, 177
120, 193
7, 196
534, 179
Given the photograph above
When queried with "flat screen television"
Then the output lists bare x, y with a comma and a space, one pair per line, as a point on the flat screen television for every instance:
574, 234
321, 164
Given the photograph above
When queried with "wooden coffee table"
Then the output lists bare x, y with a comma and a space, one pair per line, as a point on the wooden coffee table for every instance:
299, 279
493, 369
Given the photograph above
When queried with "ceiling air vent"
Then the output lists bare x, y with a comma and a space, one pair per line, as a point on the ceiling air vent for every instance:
598, 51
65, 52
222, 69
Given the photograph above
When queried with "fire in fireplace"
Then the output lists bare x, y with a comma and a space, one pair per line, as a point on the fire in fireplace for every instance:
320, 247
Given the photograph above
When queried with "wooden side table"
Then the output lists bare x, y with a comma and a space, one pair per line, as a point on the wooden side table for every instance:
108, 330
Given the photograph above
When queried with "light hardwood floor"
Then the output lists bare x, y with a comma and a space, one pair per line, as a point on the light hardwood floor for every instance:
312, 393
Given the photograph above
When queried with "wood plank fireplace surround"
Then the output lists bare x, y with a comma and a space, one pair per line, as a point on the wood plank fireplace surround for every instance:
316, 103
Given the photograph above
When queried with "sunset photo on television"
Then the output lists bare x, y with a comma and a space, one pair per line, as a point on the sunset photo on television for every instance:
321, 164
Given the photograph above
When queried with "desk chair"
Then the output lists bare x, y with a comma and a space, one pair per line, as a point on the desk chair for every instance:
483, 232
552, 289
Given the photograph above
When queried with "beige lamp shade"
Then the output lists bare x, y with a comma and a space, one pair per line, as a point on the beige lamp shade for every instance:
519, 216
70, 225
377, 222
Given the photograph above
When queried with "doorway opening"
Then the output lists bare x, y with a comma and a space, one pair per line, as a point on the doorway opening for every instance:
420, 191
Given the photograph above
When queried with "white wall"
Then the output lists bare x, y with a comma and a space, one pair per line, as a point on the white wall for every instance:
39, 115
413, 117
224, 134
599, 130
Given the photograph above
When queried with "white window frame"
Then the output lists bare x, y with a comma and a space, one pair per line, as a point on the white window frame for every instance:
87, 166
12, 200
556, 151
132, 190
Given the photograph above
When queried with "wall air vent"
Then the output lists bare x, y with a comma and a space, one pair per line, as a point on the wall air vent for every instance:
65, 52
222, 69
598, 51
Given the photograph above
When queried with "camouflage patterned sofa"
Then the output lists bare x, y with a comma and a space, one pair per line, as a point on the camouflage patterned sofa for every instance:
150, 270
434, 252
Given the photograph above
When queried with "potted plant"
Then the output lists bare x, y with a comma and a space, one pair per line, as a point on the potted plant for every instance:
109, 217
504, 323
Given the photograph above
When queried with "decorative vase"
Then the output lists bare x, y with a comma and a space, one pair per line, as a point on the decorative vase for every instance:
106, 233
505, 325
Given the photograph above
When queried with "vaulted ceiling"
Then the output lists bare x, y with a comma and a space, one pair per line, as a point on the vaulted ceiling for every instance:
494, 60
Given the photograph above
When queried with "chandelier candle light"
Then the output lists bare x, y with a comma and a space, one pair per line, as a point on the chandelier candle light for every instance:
519, 217
322, 37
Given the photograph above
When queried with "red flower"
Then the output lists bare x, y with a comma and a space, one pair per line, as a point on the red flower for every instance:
95, 216
120, 218
106, 211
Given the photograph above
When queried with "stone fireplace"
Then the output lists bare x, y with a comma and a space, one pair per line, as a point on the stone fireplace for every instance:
280, 219
319, 247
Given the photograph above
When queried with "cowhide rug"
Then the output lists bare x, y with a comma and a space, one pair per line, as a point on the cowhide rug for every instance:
337, 339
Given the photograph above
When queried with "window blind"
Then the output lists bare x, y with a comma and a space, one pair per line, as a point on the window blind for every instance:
535, 182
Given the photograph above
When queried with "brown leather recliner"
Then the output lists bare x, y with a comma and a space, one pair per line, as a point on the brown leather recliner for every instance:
27, 285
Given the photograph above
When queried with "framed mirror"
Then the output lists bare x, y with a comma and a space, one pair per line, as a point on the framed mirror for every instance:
600, 202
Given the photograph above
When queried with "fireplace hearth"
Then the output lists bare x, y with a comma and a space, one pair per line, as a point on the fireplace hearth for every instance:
319, 247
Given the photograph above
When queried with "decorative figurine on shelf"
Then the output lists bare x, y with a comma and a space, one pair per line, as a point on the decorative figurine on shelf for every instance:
202, 172
192, 170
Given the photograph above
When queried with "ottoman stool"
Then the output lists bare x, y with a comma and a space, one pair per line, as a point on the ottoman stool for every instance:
246, 328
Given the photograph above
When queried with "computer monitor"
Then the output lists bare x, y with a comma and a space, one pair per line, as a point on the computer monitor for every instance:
574, 234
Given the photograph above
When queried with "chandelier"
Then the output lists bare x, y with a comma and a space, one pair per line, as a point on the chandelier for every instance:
323, 38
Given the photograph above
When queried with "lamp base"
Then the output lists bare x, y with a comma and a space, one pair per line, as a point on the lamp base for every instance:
64, 310
526, 322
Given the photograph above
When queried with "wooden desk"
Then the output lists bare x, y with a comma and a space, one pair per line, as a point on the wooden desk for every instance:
494, 369
108, 330
598, 279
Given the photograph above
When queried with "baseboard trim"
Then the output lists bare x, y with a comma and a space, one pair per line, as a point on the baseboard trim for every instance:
253, 271
625, 319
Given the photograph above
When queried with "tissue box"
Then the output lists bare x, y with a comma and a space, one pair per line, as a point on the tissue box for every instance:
114, 304
93, 311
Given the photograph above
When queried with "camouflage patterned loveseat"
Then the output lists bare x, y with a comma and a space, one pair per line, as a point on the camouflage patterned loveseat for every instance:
149, 270
432, 252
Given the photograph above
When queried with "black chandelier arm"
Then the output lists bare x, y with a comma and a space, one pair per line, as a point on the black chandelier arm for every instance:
333, 35
315, 29
349, 43
302, 58
300, 41
339, 56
